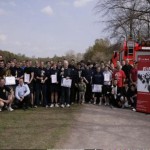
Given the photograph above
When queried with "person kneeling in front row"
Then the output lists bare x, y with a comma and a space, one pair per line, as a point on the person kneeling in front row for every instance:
22, 94
5, 99
116, 98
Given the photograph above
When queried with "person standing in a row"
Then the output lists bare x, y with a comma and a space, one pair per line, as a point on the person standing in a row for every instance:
98, 79
41, 78
30, 71
127, 68
65, 91
87, 76
54, 88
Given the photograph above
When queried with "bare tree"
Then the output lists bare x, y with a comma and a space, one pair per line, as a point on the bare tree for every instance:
125, 17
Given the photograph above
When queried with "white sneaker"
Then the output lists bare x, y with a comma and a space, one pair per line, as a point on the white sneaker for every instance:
35, 106
133, 109
10, 109
94, 103
52, 105
62, 105
100, 103
0, 109
68, 105
46, 106
106, 104
56, 105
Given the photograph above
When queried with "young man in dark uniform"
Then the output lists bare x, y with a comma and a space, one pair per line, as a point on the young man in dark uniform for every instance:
7, 70
73, 76
13, 69
65, 91
35, 69
77, 78
5, 99
29, 70
127, 69
2, 68
48, 85
87, 76
19, 72
13, 73
55, 86
41, 78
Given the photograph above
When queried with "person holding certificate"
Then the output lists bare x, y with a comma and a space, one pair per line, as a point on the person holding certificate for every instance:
10, 76
97, 81
28, 71
107, 84
66, 85
5, 100
54, 75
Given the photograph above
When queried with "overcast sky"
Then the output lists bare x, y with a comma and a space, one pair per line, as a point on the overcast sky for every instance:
44, 28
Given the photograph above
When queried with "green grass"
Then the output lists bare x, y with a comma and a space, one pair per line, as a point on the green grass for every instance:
35, 128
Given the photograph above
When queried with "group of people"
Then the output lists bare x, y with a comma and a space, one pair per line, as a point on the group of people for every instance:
62, 83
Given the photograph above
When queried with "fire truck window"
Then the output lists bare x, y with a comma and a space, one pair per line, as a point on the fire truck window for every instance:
130, 52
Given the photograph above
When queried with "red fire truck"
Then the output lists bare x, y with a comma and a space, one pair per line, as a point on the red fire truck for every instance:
130, 50
138, 52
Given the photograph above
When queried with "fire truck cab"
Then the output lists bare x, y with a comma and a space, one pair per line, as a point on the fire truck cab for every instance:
130, 50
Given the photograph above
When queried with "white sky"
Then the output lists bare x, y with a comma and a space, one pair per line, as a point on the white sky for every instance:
44, 28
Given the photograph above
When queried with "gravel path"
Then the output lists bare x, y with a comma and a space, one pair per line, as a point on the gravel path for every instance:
100, 127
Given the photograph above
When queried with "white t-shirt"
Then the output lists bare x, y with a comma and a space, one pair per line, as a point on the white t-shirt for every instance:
107, 77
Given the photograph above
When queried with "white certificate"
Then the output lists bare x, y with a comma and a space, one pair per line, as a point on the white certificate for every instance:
54, 78
66, 82
96, 88
10, 81
106, 77
26, 78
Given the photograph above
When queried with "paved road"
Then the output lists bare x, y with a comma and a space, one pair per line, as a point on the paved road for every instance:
105, 128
